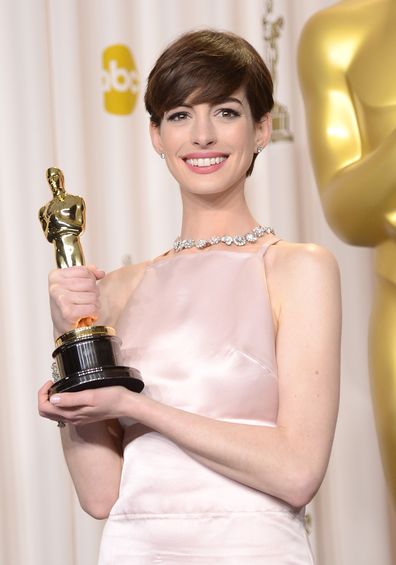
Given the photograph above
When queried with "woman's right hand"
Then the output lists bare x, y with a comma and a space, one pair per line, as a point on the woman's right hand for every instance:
73, 295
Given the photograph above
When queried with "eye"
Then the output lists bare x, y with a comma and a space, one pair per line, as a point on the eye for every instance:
177, 116
228, 113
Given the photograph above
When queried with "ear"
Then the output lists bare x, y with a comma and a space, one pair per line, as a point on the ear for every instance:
263, 130
156, 140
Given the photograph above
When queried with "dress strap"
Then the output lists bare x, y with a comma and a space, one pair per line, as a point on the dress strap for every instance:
263, 249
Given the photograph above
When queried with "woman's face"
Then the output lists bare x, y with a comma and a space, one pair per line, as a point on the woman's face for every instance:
208, 148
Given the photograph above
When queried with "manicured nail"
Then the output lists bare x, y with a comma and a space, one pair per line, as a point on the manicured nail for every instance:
55, 399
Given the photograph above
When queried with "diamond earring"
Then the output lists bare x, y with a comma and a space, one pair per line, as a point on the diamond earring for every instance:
260, 148
162, 155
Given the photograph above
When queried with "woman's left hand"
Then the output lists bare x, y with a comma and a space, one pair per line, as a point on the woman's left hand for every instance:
86, 406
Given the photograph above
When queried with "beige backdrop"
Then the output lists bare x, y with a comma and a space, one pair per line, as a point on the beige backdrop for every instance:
52, 113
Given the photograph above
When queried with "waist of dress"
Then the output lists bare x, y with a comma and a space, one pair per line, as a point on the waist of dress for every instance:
238, 538
160, 479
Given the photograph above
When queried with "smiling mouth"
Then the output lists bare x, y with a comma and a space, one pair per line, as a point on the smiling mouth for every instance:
205, 162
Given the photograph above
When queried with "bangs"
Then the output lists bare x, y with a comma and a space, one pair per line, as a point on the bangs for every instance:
198, 87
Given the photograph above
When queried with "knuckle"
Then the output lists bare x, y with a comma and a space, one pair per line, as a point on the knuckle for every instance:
62, 299
52, 277
54, 288
85, 272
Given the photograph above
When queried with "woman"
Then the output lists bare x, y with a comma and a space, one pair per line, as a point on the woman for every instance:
237, 340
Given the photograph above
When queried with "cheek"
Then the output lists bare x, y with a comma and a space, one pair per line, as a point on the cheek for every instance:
172, 140
246, 136
175, 165
249, 144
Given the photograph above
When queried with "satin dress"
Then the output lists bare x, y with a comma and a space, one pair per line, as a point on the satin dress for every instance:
199, 328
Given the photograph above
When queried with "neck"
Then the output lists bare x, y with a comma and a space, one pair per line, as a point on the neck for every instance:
216, 214
58, 193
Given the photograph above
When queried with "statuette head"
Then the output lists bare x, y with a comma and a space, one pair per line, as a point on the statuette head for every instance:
56, 180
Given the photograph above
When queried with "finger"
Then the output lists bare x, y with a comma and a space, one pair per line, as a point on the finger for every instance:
43, 397
99, 274
75, 306
45, 408
76, 284
89, 271
72, 399
71, 272
79, 282
69, 303
76, 298
43, 390
80, 312
54, 416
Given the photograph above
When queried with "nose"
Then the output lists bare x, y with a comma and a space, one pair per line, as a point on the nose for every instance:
203, 132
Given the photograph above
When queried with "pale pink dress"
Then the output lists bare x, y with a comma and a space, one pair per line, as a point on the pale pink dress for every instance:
199, 328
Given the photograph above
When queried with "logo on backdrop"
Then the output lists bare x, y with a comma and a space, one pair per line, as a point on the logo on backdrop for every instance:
120, 80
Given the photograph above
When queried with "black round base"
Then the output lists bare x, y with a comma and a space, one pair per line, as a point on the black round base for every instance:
98, 378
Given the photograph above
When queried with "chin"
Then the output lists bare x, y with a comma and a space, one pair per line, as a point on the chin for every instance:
212, 186
210, 189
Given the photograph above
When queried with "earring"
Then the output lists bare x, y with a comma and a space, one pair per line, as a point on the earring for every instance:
260, 148
162, 155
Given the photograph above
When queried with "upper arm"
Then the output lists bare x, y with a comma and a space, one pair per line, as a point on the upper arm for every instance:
325, 53
306, 289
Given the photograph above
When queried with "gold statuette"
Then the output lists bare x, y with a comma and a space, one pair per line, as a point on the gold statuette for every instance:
87, 356
63, 220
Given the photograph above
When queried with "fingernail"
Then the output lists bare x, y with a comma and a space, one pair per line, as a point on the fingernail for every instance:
55, 399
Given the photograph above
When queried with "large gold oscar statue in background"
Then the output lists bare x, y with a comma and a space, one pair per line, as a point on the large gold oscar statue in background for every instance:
347, 65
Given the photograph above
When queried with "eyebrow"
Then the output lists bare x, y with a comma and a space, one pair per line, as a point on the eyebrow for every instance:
231, 99
224, 101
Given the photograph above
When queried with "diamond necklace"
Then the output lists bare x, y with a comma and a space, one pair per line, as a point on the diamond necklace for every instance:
250, 237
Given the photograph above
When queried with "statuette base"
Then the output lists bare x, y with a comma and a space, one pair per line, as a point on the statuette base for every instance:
103, 376
90, 357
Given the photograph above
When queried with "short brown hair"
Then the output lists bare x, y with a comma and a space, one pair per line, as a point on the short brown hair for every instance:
211, 65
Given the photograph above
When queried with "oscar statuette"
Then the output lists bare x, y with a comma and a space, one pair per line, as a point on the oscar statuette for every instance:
87, 356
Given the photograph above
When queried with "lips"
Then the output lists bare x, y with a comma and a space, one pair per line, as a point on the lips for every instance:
207, 162
204, 163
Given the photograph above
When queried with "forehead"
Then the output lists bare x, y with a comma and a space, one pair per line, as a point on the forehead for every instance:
198, 97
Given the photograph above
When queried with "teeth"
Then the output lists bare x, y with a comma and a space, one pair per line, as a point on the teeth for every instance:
205, 162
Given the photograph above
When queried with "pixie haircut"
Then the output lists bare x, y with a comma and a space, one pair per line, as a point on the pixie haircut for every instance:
207, 67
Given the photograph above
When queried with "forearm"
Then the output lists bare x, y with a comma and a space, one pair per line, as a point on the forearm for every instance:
263, 457
357, 197
93, 456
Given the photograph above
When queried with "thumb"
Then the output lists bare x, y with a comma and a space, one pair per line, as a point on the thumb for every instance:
98, 273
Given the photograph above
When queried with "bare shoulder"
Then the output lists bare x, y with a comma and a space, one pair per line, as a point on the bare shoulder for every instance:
286, 255
115, 290
300, 271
